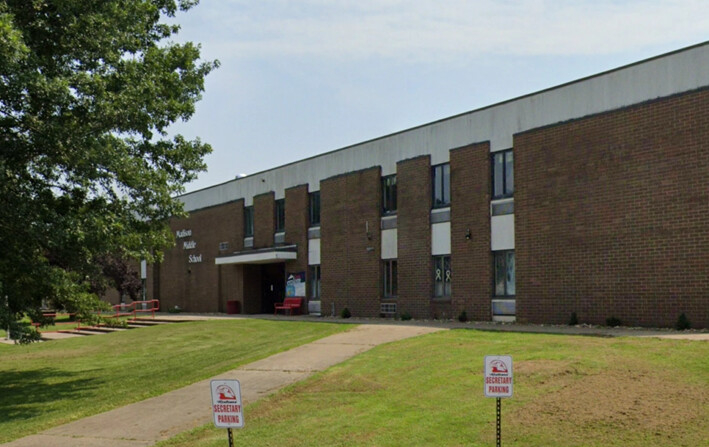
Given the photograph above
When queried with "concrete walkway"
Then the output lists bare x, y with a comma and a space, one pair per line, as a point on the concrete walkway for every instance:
152, 420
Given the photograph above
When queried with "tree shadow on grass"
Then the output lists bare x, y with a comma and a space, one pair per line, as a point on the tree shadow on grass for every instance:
27, 394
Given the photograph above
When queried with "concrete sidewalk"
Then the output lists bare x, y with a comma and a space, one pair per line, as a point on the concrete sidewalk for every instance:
152, 420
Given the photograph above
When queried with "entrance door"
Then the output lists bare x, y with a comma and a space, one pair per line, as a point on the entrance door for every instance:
273, 286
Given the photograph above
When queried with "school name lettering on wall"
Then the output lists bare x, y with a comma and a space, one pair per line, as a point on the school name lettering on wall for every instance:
181, 234
189, 245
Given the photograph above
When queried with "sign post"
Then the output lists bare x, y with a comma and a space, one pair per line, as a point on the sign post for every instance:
498, 384
226, 406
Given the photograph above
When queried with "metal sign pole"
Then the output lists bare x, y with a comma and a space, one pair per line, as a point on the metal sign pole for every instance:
499, 422
231, 437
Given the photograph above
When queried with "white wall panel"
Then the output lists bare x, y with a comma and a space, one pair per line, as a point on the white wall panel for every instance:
503, 232
389, 240
313, 251
666, 75
441, 238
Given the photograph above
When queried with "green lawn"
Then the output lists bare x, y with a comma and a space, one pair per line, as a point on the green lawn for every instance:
428, 391
47, 384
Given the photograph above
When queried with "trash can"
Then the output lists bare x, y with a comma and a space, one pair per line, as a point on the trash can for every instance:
233, 307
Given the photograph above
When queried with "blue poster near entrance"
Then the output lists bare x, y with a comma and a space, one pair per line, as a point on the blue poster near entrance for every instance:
295, 284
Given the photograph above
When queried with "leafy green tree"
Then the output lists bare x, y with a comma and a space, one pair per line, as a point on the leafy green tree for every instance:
88, 89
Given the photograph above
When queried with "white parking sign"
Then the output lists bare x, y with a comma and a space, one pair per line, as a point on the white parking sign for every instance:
498, 376
226, 404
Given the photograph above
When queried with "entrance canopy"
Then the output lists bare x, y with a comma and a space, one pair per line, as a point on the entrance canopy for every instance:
260, 256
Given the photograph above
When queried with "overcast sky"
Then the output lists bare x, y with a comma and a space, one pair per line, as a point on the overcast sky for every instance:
300, 78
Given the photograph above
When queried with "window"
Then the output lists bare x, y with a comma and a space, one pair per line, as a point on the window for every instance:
503, 179
504, 273
223, 246
314, 275
315, 209
280, 215
389, 194
390, 274
441, 276
248, 221
441, 185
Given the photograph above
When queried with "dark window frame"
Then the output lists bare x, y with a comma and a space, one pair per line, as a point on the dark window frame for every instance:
314, 208
507, 177
389, 195
444, 276
248, 221
438, 180
502, 256
279, 208
390, 278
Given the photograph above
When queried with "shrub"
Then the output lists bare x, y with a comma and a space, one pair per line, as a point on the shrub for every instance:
345, 313
613, 322
683, 323
463, 317
574, 320
405, 316
174, 310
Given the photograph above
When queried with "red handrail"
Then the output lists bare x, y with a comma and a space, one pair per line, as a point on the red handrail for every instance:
134, 308
119, 310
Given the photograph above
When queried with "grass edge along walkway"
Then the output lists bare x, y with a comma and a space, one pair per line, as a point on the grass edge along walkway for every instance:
569, 391
49, 384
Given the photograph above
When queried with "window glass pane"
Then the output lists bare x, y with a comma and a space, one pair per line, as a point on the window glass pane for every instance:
447, 275
394, 279
437, 193
392, 194
510, 273
315, 208
385, 277
437, 276
248, 221
280, 215
497, 175
315, 281
446, 169
509, 173
389, 194
500, 274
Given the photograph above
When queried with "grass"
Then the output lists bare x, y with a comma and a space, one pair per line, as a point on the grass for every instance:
428, 391
48, 384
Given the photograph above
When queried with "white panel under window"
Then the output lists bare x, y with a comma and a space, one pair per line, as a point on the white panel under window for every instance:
389, 238
313, 251
503, 232
441, 238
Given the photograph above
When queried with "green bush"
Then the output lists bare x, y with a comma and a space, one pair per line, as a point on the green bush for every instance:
406, 316
345, 313
613, 322
463, 317
683, 323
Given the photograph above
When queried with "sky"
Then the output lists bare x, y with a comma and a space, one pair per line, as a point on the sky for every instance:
304, 77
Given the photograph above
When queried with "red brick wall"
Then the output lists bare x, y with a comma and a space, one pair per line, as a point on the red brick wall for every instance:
351, 265
612, 213
297, 220
413, 178
264, 220
471, 262
195, 286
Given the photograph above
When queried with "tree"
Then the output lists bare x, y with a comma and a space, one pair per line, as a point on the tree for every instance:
88, 89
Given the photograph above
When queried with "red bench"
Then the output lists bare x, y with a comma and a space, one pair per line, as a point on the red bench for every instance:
290, 306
